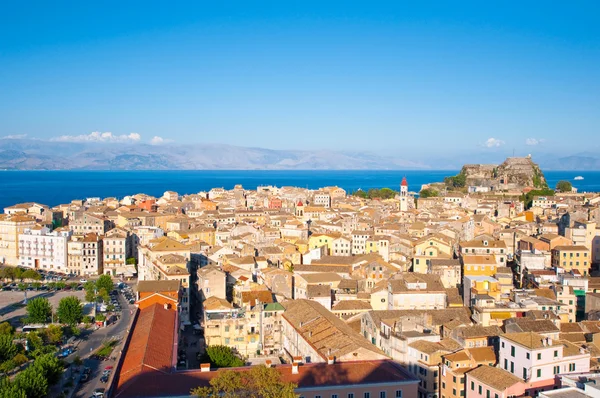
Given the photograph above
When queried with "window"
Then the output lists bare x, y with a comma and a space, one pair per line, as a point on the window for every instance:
398, 393
317, 396
382, 394
539, 356
512, 350
555, 353
571, 367
334, 396
473, 386
527, 355
480, 390
505, 364
487, 394
524, 373
539, 373
556, 370
367, 395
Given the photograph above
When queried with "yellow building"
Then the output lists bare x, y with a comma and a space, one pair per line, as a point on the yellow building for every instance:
319, 240
475, 265
572, 258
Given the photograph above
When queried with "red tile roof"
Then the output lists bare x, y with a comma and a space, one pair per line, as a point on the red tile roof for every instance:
309, 376
151, 347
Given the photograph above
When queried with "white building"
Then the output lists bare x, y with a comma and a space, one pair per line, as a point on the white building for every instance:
41, 249
322, 199
539, 360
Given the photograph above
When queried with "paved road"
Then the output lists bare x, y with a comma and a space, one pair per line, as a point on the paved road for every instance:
94, 341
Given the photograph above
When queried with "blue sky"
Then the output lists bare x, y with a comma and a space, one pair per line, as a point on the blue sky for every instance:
381, 76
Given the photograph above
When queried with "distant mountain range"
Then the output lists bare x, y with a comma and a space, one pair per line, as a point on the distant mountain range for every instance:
32, 154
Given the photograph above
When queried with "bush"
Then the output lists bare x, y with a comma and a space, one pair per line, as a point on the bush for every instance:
428, 193
20, 359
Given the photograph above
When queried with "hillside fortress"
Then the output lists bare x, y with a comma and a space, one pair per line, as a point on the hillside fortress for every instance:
515, 173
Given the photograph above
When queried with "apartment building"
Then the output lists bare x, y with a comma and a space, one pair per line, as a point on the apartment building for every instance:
488, 381
39, 248
11, 226
572, 258
455, 365
84, 223
211, 282
248, 330
486, 247
416, 291
538, 360
84, 255
117, 249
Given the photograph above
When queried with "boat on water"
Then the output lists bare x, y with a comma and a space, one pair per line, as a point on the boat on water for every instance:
578, 178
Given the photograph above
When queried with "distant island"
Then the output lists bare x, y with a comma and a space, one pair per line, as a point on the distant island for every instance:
34, 154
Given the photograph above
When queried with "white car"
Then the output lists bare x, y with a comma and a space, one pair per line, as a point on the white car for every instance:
82, 280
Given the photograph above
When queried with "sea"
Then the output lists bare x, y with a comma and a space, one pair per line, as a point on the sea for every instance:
56, 187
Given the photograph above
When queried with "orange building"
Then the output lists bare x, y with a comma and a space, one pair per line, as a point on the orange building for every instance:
164, 292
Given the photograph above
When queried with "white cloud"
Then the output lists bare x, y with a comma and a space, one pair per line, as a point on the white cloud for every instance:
97, 136
156, 140
14, 137
534, 141
493, 143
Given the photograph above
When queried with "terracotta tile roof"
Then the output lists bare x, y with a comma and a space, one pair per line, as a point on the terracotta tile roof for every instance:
529, 340
349, 305
497, 378
264, 296
324, 331
151, 346
316, 375
158, 286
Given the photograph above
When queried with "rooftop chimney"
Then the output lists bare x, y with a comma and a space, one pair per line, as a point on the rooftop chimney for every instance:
167, 306
205, 367
295, 368
330, 360
297, 359
268, 363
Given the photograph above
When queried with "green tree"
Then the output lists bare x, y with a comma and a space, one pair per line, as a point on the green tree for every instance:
130, 261
428, 193
6, 328
18, 273
9, 389
223, 357
90, 291
105, 282
31, 274
564, 186
50, 366
258, 382
70, 310
34, 341
32, 382
7, 366
7, 348
39, 310
53, 334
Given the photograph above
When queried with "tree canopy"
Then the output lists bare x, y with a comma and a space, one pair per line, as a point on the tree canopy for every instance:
223, 357
39, 310
527, 199
105, 282
373, 193
70, 310
258, 382
564, 186
457, 181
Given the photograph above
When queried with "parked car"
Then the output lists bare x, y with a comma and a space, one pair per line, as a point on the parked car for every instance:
83, 280
98, 393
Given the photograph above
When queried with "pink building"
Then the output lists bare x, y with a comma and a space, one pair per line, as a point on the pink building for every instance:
490, 382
